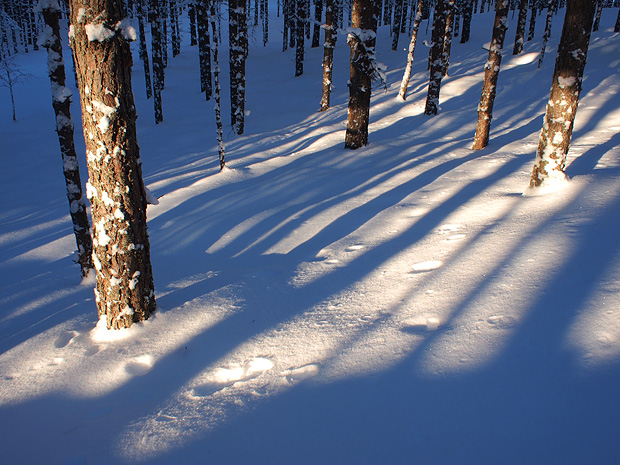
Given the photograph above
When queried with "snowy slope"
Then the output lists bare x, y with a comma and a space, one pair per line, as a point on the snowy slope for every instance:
401, 303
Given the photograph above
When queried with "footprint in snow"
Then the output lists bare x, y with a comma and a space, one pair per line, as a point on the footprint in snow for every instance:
64, 339
502, 322
139, 366
302, 373
223, 377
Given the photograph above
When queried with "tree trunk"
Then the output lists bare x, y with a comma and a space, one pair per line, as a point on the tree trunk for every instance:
491, 72
204, 47
216, 76
144, 54
124, 291
398, 15
318, 12
436, 58
447, 41
158, 64
617, 26
468, 9
237, 38
61, 101
520, 32
570, 63
414, 35
265, 16
597, 16
191, 12
547, 33
299, 28
328, 54
532, 29
362, 44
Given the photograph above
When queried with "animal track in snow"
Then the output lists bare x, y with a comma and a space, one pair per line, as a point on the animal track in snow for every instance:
223, 377
502, 321
302, 373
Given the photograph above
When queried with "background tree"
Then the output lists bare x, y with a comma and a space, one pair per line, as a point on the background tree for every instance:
491, 73
61, 102
299, 39
328, 54
216, 77
414, 35
158, 60
520, 30
436, 56
557, 130
144, 55
10, 75
204, 53
547, 34
468, 10
532, 29
597, 15
237, 42
363, 70
124, 290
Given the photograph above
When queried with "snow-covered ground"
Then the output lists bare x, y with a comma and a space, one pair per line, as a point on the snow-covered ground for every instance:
401, 303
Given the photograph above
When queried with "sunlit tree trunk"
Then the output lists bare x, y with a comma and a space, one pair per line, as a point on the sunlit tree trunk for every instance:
362, 44
124, 290
414, 35
491, 73
61, 101
570, 63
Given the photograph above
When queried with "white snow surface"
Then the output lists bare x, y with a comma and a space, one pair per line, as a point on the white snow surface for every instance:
400, 303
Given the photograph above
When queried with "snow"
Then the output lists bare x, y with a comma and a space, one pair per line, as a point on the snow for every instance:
98, 32
401, 302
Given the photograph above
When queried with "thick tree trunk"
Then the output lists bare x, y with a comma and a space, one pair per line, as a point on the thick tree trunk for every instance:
491, 72
520, 32
414, 36
362, 44
328, 54
570, 63
124, 290
61, 101
436, 58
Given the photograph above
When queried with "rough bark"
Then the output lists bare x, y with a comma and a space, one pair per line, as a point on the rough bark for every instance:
436, 55
124, 291
237, 39
520, 32
491, 73
414, 35
556, 134
61, 102
328, 54
158, 63
362, 44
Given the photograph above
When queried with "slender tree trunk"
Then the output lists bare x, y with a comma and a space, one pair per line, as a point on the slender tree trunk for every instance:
362, 44
491, 73
237, 37
398, 15
144, 54
328, 54
191, 12
124, 290
158, 64
532, 29
204, 47
570, 63
547, 33
318, 12
285, 24
436, 58
61, 101
265, 16
520, 32
597, 16
468, 9
447, 41
174, 25
617, 26
299, 52
216, 77
414, 36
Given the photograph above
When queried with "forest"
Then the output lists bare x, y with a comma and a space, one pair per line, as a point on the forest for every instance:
348, 231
